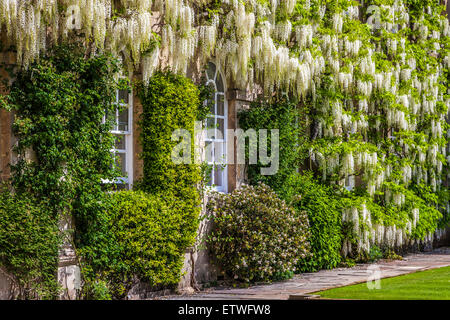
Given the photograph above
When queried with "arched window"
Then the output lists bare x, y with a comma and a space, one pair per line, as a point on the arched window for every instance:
215, 142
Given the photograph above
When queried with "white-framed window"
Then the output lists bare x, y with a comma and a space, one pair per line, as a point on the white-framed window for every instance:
122, 130
217, 123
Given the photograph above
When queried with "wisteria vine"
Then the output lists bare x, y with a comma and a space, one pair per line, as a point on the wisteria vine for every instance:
374, 73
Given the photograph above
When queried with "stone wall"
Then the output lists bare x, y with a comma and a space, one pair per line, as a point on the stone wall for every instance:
7, 289
69, 274
6, 138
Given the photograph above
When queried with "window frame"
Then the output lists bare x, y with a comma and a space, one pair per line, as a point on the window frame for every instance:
128, 139
223, 162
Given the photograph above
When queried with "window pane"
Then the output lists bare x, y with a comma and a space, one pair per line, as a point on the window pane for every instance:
218, 176
121, 157
219, 83
211, 71
120, 142
209, 152
220, 128
211, 177
123, 96
121, 187
220, 105
210, 103
219, 154
123, 120
210, 125
111, 119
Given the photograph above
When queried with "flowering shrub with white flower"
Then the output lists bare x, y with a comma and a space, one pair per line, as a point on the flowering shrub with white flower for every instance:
256, 235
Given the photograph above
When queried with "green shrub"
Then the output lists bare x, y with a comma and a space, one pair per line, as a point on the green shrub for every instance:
142, 236
149, 235
256, 235
375, 254
29, 241
97, 290
325, 216
169, 102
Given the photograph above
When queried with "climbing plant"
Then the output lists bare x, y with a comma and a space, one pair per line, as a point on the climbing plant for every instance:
374, 76
171, 103
289, 119
29, 242
323, 206
147, 237
302, 191
64, 160
63, 153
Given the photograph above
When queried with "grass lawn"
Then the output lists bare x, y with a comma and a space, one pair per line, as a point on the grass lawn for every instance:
426, 285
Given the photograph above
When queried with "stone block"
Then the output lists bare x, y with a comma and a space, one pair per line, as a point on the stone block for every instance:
69, 277
7, 288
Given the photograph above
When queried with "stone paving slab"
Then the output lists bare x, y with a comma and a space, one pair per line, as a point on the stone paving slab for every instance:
326, 279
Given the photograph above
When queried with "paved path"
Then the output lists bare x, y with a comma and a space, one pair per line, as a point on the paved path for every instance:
326, 279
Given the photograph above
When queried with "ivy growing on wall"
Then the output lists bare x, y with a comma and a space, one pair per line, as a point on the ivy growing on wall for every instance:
289, 119
142, 236
171, 103
323, 205
29, 242
63, 155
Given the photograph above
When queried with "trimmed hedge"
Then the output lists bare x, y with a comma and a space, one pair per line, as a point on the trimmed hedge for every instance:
148, 238
170, 102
